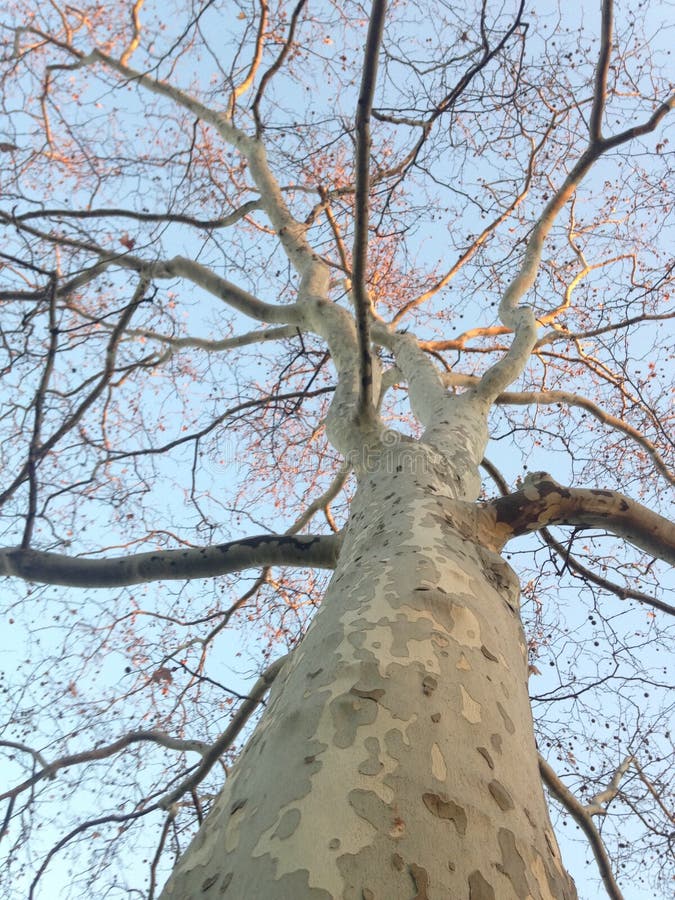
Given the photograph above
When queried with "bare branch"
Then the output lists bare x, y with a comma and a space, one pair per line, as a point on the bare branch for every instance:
362, 304
49, 770
599, 803
622, 591
601, 71
583, 819
238, 721
170, 565
542, 501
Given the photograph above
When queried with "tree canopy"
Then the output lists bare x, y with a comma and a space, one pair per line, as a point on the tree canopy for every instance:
227, 227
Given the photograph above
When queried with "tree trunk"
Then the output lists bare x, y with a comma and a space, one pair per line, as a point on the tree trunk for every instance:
396, 759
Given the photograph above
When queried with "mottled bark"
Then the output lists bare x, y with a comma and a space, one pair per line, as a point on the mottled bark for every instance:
397, 756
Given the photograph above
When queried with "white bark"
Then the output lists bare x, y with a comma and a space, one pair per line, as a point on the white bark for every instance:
396, 758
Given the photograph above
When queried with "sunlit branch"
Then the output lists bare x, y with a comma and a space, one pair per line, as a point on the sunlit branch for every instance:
276, 65
237, 722
136, 39
217, 286
561, 334
541, 501
521, 319
602, 371
585, 270
583, 819
362, 304
178, 266
471, 251
323, 500
195, 562
247, 81
553, 398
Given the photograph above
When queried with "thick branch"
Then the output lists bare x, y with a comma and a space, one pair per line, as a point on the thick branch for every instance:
40, 566
542, 501
583, 819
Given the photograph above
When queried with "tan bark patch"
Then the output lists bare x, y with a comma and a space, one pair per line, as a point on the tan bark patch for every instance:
470, 709
438, 767
444, 808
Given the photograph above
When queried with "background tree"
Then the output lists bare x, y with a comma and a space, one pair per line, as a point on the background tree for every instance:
270, 268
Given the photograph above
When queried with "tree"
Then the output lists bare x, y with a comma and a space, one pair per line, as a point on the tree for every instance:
272, 267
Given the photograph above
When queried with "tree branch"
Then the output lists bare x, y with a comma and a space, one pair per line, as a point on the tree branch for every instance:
364, 107
621, 591
583, 819
219, 746
41, 566
542, 501
49, 770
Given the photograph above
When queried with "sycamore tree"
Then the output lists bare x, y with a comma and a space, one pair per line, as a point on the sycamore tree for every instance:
336, 360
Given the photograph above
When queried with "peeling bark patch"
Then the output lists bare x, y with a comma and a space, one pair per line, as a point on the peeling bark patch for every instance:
486, 756
513, 864
463, 664
429, 685
334, 844
443, 808
435, 718
496, 741
226, 883
288, 824
486, 653
498, 573
466, 628
530, 818
470, 709
374, 694
508, 724
397, 862
479, 888
208, 883
397, 829
500, 795
420, 879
